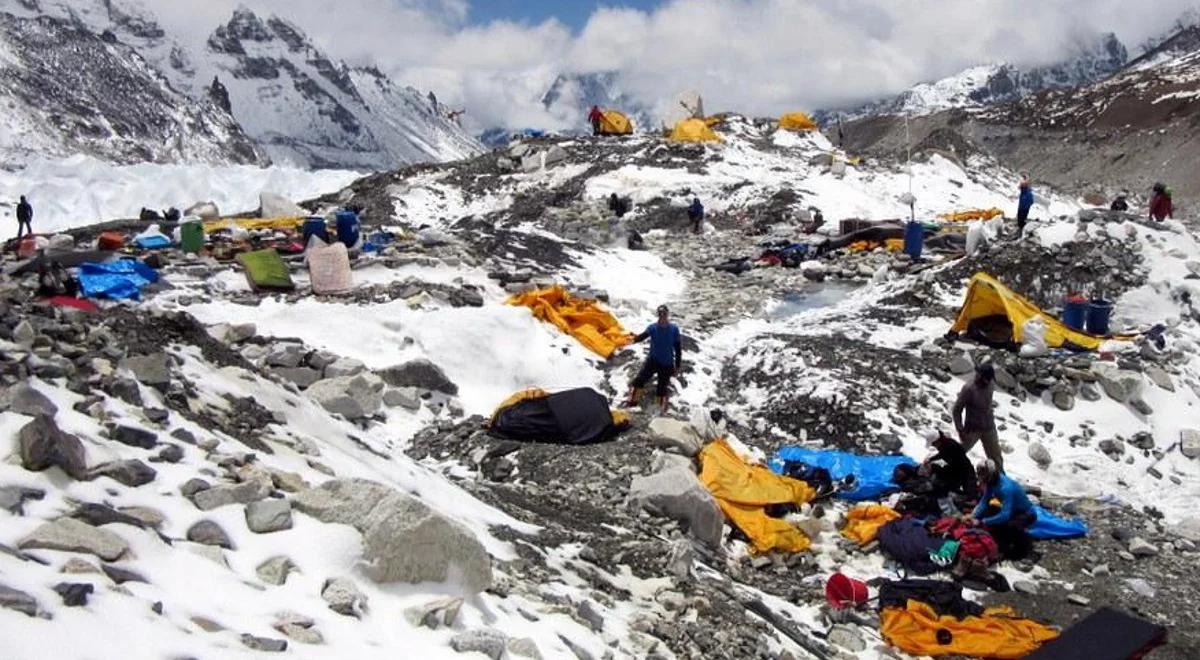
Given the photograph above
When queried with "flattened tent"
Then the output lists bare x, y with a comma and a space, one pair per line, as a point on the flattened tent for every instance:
743, 492
996, 314
581, 318
972, 214
1105, 634
997, 633
211, 226
265, 271
693, 130
613, 122
872, 474
575, 417
797, 121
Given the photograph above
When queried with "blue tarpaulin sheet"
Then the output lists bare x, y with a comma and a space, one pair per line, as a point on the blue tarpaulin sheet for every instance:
1050, 526
118, 280
872, 474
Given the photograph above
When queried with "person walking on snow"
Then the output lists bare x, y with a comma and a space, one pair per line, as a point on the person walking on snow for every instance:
973, 417
696, 215
1121, 203
24, 217
1161, 207
594, 118
664, 359
1024, 203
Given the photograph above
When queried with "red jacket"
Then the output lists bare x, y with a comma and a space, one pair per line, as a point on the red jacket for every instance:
1161, 207
595, 115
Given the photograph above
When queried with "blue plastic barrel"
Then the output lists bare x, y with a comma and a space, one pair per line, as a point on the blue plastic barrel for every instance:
914, 239
1074, 311
315, 226
1098, 313
347, 227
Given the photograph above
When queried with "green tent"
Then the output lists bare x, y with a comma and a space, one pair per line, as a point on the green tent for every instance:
265, 271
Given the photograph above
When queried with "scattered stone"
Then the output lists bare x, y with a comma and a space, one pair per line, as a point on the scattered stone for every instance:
484, 640
285, 355
184, 435
24, 334
678, 494
193, 486
587, 611
1141, 587
352, 397
344, 597
289, 482
218, 496
13, 498
299, 628
122, 575
435, 614
207, 532
76, 566
1076, 599
1062, 398
1143, 440
403, 539
1040, 455
402, 397
275, 570
212, 553
1119, 384
675, 435
156, 415
302, 376
1139, 404
207, 625
265, 516
1160, 378
962, 364
265, 644
70, 535
23, 399
1140, 547
1026, 587
20, 601
421, 374
74, 594
524, 648
97, 515
1005, 380
681, 559
43, 445
169, 454
134, 437
847, 638
1189, 443
153, 370
345, 367
1112, 447
132, 472
1126, 555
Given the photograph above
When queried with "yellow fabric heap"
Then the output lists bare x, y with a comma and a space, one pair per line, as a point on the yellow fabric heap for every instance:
998, 633
613, 122
582, 318
693, 130
252, 223
743, 491
797, 121
892, 245
972, 214
864, 521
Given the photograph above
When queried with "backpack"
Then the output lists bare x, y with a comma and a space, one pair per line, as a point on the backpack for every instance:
974, 543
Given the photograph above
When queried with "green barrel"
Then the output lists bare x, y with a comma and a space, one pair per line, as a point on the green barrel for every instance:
191, 236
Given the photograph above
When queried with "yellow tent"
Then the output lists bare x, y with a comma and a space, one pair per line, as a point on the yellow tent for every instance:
998, 633
253, 223
797, 121
986, 296
743, 491
863, 522
693, 130
613, 122
581, 318
972, 214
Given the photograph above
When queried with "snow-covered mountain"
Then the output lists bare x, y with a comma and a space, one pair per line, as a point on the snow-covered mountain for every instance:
571, 95
988, 84
265, 77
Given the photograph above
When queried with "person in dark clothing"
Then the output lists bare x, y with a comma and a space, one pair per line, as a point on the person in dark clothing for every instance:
951, 469
973, 417
24, 218
663, 361
618, 205
1120, 203
594, 118
1161, 206
1008, 524
1024, 203
696, 214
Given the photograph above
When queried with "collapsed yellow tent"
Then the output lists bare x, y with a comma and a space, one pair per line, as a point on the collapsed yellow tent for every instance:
863, 522
743, 491
972, 214
613, 122
253, 223
998, 633
797, 121
582, 318
986, 296
693, 130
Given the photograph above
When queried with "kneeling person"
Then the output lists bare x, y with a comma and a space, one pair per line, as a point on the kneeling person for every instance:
1008, 525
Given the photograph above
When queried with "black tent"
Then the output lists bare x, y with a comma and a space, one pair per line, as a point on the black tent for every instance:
1105, 634
576, 417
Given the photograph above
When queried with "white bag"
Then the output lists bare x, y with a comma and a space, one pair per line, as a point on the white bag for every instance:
976, 237
1033, 338
328, 268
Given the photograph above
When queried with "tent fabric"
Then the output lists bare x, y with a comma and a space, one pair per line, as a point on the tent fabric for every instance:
1105, 634
997, 633
1049, 526
116, 280
872, 474
329, 269
987, 297
613, 122
864, 521
908, 542
743, 491
693, 130
80, 304
265, 270
797, 121
577, 417
582, 318
211, 226
972, 214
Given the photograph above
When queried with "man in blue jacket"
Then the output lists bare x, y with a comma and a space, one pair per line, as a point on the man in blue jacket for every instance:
1016, 512
664, 359
1024, 203
696, 215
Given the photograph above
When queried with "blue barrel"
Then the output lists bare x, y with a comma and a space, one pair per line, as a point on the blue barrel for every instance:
1074, 311
347, 227
315, 226
1098, 313
914, 239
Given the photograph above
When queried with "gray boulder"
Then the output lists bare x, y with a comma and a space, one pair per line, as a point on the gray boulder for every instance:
153, 370
42, 445
1140, 547
403, 539
1040, 455
70, 535
218, 496
12, 498
20, 601
344, 367
402, 397
421, 374
677, 494
265, 644
1189, 443
285, 355
435, 614
1119, 384
962, 364
485, 640
352, 397
275, 570
265, 516
301, 376
675, 435
134, 436
23, 399
207, 532
1160, 378
131, 472
344, 597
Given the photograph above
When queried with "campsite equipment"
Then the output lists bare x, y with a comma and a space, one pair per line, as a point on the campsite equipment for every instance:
1098, 312
917, 629
315, 226
347, 227
872, 474
1074, 309
575, 417
191, 236
613, 122
27, 247
693, 130
265, 271
329, 268
797, 121
110, 241
117, 280
914, 239
842, 591
1105, 634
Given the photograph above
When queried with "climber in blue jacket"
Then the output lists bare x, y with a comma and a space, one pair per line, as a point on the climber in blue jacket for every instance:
1024, 203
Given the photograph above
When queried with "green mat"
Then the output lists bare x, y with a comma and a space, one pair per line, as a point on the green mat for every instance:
266, 271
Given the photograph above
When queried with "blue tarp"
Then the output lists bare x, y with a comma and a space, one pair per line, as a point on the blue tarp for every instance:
872, 474
118, 280
1050, 526
152, 242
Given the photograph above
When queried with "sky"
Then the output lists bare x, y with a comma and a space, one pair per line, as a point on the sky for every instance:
496, 59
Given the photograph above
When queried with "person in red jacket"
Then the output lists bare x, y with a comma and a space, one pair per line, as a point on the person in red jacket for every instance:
1160, 203
594, 117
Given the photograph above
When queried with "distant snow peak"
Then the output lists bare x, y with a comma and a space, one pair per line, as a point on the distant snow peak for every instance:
572, 94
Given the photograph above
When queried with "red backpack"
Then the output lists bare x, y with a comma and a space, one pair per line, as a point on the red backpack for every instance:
974, 543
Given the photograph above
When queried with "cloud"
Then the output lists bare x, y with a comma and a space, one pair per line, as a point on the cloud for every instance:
755, 56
